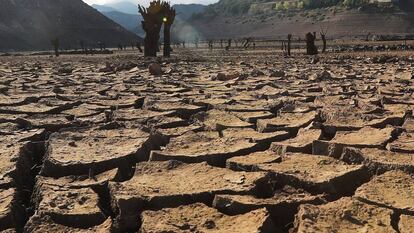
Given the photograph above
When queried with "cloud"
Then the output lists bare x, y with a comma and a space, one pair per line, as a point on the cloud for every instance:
100, 2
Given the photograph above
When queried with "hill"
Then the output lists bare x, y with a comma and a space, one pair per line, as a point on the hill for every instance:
32, 24
277, 18
186, 11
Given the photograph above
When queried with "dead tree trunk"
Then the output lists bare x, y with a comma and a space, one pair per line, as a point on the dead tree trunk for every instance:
247, 43
210, 45
167, 43
138, 44
323, 37
151, 41
324, 43
228, 45
311, 49
153, 17
55, 43
196, 40
289, 44
169, 17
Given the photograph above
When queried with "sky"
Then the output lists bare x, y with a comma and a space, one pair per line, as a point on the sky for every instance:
206, 2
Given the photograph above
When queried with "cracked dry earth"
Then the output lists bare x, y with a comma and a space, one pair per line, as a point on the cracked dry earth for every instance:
219, 143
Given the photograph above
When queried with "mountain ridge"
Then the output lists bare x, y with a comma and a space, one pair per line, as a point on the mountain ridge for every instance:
121, 6
32, 24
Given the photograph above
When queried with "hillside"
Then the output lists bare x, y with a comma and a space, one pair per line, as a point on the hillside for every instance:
186, 11
255, 18
31, 24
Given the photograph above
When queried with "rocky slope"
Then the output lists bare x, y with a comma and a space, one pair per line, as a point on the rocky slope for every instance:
250, 18
31, 24
185, 11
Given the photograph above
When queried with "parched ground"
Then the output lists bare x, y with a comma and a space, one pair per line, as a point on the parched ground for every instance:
239, 141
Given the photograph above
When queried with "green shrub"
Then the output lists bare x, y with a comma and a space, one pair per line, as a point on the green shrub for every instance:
355, 3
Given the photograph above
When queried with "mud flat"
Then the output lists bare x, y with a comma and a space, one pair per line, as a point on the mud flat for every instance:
158, 185
203, 146
364, 138
392, 190
344, 215
243, 141
81, 151
198, 217
379, 161
317, 173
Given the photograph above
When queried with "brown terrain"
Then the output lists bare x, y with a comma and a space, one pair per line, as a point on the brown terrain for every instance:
240, 141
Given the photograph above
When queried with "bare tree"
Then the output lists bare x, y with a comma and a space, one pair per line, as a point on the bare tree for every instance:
168, 19
323, 37
152, 23
311, 49
289, 44
196, 41
228, 45
55, 43
247, 42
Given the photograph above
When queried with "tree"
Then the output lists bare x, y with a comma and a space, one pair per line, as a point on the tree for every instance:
323, 37
279, 6
152, 23
289, 44
311, 49
168, 19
